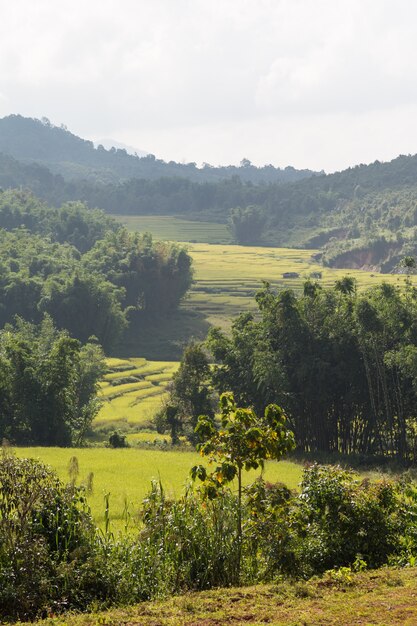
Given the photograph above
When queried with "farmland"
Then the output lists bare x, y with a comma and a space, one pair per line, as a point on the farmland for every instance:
132, 391
127, 474
176, 229
226, 279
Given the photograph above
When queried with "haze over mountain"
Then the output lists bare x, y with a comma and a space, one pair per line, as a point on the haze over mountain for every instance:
363, 216
108, 144
64, 153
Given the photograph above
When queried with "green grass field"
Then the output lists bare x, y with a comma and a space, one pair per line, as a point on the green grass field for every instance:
176, 229
127, 474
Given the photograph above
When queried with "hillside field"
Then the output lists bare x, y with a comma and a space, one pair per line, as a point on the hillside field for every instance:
168, 228
126, 474
132, 391
227, 276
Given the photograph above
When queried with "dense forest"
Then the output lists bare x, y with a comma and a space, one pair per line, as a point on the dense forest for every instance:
342, 364
48, 384
64, 153
83, 270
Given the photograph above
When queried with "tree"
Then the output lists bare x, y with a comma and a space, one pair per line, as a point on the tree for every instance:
246, 224
48, 385
244, 441
190, 396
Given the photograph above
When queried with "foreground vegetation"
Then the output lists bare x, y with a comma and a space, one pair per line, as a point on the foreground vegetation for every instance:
53, 559
382, 597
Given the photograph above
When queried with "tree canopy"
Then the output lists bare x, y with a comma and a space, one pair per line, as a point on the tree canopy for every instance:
48, 385
342, 364
84, 270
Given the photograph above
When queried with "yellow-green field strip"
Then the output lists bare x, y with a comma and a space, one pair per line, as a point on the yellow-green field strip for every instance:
126, 474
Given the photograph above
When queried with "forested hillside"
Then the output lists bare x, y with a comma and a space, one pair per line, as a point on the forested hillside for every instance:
29, 140
78, 266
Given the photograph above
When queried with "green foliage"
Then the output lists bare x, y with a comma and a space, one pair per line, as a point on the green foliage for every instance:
49, 384
189, 396
346, 517
72, 223
46, 537
117, 440
152, 276
244, 441
88, 274
246, 224
340, 362
52, 560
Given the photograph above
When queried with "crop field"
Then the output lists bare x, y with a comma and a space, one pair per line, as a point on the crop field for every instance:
176, 229
227, 277
126, 474
132, 391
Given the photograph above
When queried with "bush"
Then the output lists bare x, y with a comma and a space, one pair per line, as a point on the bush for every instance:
335, 519
53, 559
117, 440
45, 529
196, 541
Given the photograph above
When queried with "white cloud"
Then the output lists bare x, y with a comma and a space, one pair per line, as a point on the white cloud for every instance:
268, 79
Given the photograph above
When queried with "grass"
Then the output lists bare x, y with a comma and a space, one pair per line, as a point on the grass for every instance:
381, 598
127, 473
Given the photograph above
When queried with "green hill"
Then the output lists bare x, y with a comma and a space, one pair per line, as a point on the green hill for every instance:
362, 217
28, 139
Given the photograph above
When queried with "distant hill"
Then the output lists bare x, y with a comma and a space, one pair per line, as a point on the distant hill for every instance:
64, 153
364, 216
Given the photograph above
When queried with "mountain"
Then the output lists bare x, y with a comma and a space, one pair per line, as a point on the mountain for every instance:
364, 216
33, 140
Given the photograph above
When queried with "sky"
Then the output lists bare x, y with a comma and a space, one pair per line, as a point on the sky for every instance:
319, 84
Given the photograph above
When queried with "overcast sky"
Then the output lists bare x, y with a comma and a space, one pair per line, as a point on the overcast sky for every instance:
322, 84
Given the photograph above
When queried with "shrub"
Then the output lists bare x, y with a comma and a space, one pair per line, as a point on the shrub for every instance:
117, 440
336, 519
45, 527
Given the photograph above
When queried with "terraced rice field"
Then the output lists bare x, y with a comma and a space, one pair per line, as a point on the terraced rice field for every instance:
227, 277
133, 390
